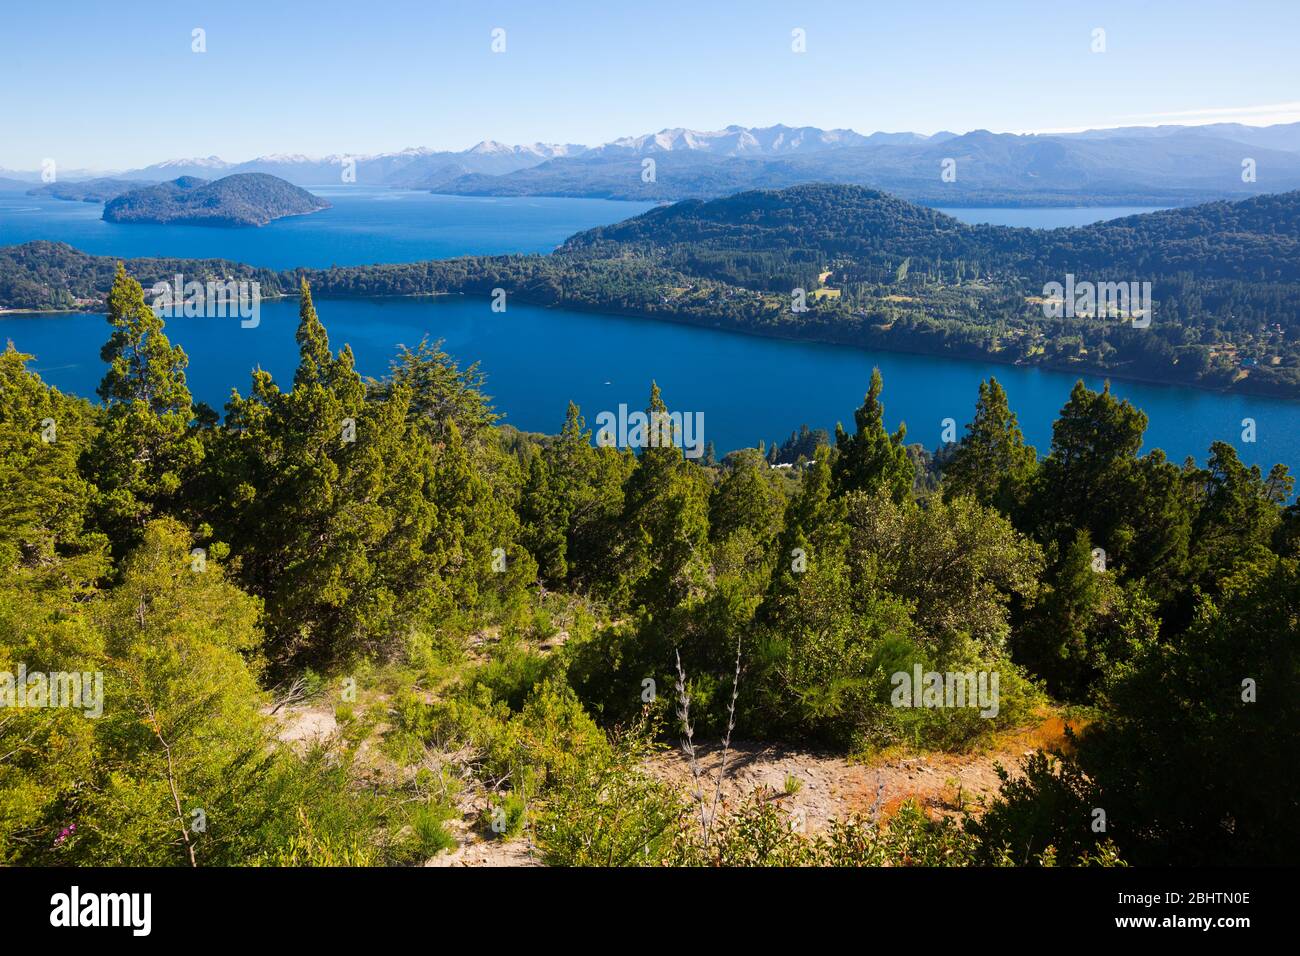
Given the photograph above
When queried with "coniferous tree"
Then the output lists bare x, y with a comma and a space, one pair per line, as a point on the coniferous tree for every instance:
991, 463
745, 516
1137, 510
146, 448
1176, 756
1087, 478
1083, 625
586, 485
1239, 511
665, 522
544, 521
870, 459
746, 499
441, 392
44, 499
331, 502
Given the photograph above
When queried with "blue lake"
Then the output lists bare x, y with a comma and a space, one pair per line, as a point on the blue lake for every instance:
1045, 217
366, 225
750, 389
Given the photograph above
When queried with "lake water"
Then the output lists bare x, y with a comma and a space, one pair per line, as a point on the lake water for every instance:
1046, 217
750, 389
366, 225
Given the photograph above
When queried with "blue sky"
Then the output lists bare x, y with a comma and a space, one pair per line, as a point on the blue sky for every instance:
112, 85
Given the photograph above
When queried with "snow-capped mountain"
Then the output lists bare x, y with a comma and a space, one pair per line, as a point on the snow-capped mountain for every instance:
418, 167
779, 140
205, 167
1144, 161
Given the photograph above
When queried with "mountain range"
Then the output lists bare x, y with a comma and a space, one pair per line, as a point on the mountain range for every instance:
1178, 167
1158, 165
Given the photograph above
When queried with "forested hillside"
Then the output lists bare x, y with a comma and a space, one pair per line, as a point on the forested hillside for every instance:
529, 618
1254, 239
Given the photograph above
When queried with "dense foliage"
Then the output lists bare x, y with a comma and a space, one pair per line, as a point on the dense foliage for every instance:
388, 537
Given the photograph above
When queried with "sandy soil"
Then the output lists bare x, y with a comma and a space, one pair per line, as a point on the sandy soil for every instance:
830, 787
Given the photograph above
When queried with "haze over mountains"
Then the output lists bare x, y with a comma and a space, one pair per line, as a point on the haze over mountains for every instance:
1162, 165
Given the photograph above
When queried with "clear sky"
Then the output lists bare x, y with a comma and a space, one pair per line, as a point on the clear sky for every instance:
110, 85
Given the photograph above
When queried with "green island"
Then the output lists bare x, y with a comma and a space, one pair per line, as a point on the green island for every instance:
244, 199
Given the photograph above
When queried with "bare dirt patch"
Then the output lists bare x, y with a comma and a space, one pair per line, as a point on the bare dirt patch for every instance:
305, 725
827, 787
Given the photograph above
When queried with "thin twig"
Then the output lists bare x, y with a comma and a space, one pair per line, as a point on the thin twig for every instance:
726, 741
688, 741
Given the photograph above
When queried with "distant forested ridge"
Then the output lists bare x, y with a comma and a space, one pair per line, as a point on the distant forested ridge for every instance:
89, 190
245, 199
43, 275
873, 271
792, 229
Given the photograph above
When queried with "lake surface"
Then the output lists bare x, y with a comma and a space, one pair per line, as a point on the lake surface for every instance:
366, 225
1046, 217
370, 224
749, 389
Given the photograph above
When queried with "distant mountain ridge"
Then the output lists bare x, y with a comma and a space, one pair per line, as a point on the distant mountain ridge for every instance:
743, 141
414, 167
90, 190
983, 168
244, 199
1155, 165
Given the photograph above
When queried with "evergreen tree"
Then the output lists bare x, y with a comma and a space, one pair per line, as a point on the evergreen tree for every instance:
44, 500
814, 533
1177, 755
1084, 625
544, 522
746, 500
665, 522
441, 392
1239, 511
992, 463
1137, 510
330, 502
1086, 481
586, 485
745, 517
146, 448
870, 459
